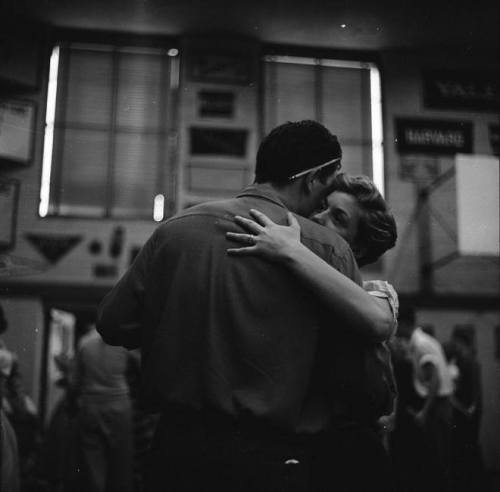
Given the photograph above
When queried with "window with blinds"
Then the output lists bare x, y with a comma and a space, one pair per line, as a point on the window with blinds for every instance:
343, 95
109, 118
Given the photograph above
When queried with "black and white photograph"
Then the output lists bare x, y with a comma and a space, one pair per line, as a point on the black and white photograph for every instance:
249, 246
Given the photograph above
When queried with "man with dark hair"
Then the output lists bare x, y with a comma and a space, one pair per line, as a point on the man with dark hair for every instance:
231, 347
284, 153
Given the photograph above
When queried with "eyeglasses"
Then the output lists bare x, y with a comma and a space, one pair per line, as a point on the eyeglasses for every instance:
316, 168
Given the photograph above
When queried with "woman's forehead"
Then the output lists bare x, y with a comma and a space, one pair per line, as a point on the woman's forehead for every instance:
344, 201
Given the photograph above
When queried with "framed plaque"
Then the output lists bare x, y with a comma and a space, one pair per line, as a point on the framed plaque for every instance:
9, 198
17, 122
218, 141
216, 104
234, 69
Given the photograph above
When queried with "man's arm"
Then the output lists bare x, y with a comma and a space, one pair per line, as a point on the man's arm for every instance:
370, 316
119, 315
431, 377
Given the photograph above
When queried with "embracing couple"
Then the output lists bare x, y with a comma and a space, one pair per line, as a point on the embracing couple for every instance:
260, 347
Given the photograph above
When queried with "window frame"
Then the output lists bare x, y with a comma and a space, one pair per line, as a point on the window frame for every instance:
170, 125
313, 54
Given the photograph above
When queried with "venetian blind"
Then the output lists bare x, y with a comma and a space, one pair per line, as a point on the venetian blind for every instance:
336, 93
110, 131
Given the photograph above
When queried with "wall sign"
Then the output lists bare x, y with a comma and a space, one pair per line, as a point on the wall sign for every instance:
497, 342
17, 120
461, 89
218, 141
53, 246
494, 133
9, 198
221, 68
433, 136
215, 104
103, 270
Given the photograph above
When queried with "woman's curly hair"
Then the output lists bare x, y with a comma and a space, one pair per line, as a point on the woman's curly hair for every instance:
377, 228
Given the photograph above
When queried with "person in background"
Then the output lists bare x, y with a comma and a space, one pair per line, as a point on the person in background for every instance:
20, 410
9, 383
467, 463
144, 421
104, 415
406, 444
233, 349
58, 465
433, 384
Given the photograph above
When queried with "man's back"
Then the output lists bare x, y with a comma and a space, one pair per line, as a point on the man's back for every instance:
101, 369
235, 336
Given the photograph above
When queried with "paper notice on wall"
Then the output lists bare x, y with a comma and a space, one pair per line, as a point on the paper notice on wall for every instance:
477, 178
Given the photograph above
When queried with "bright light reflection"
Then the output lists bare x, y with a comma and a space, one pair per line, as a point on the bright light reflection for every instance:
43, 208
159, 208
377, 136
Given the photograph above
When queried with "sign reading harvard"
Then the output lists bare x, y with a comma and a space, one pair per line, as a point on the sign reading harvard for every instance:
433, 136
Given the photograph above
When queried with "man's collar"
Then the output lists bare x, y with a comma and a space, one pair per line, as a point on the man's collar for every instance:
417, 333
264, 191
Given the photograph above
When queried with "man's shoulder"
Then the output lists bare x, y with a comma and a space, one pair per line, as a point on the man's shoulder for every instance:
314, 233
219, 208
331, 247
425, 344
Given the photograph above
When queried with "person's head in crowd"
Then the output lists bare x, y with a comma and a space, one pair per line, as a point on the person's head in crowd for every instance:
300, 159
358, 212
3, 321
406, 321
462, 340
429, 329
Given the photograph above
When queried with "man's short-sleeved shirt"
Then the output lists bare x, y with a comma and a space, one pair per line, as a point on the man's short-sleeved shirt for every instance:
426, 349
101, 369
236, 335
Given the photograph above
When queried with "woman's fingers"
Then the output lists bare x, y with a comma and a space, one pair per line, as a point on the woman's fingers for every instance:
248, 224
241, 251
261, 218
241, 238
247, 239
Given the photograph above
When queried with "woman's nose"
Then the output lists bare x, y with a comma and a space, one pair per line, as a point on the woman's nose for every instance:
319, 218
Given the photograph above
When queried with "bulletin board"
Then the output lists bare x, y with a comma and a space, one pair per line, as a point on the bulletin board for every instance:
17, 120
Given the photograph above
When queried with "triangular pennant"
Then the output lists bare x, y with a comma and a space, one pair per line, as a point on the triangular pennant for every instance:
53, 246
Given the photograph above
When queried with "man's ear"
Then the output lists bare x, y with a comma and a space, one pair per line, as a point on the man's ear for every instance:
313, 179
307, 184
